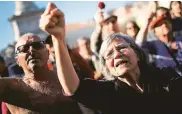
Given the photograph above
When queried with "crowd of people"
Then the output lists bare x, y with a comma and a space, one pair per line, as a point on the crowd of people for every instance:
138, 70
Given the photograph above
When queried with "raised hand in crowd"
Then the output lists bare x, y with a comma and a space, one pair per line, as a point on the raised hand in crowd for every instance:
53, 22
99, 17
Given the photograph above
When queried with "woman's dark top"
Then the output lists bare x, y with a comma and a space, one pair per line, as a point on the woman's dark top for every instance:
162, 93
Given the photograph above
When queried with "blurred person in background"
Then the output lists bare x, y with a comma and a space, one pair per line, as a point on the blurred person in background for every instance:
51, 62
9, 55
85, 51
92, 60
176, 9
132, 29
166, 49
176, 15
15, 70
105, 24
162, 11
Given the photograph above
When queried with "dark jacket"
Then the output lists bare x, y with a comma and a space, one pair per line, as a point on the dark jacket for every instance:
161, 94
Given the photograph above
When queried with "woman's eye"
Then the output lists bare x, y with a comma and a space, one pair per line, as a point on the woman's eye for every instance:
109, 54
122, 47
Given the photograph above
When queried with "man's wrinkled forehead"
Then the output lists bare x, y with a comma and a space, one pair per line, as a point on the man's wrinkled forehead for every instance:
26, 39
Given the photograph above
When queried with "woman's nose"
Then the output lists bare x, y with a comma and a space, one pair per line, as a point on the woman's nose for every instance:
117, 54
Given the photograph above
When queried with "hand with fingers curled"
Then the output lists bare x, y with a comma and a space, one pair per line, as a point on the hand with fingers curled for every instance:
52, 21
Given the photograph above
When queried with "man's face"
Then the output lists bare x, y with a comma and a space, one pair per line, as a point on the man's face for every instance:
110, 26
163, 28
31, 53
120, 58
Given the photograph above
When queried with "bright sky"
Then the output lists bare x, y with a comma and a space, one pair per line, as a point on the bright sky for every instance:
75, 11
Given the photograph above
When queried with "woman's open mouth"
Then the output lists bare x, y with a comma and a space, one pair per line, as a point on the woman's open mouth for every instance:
122, 62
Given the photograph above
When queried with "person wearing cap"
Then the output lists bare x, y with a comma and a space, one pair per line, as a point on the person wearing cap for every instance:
132, 85
105, 24
38, 91
166, 50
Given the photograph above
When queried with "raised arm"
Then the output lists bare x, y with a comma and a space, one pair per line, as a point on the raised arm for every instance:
96, 37
142, 34
53, 22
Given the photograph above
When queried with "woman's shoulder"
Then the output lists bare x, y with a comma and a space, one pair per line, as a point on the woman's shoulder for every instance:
160, 75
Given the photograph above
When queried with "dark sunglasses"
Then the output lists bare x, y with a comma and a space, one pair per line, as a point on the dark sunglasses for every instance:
25, 48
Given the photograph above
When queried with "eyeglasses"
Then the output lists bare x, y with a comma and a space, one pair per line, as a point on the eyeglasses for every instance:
121, 48
25, 48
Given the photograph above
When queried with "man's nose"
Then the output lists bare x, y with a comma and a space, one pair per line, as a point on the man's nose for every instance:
31, 49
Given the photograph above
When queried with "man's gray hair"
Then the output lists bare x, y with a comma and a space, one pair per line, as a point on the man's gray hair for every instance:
141, 55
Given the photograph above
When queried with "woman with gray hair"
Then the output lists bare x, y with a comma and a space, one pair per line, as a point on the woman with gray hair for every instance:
133, 85
142, 58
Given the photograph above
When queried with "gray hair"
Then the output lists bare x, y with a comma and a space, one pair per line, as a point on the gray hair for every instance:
143, 60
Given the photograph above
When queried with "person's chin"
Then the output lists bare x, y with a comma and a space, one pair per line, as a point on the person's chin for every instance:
122, 71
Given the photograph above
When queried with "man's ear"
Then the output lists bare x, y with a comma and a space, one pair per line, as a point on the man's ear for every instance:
47, 51
17, 61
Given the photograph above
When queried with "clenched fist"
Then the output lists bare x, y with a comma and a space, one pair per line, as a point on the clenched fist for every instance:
99, 17
53, 21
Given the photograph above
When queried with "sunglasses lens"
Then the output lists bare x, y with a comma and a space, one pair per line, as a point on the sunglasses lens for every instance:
25, 48
37, 45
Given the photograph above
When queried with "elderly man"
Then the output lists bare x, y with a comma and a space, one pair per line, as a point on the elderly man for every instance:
39, 91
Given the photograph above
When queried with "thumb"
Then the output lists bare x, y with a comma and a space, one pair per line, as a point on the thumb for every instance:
50, 7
